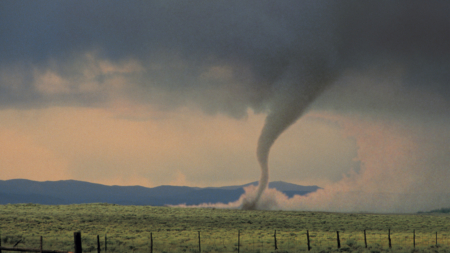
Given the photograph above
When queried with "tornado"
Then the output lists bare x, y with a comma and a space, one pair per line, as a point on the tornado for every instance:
299, 89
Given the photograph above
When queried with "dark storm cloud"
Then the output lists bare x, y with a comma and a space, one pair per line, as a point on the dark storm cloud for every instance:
259, 40
224, 29
403, 44
261, 36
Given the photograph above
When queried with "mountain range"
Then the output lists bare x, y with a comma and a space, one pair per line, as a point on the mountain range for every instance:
76, 192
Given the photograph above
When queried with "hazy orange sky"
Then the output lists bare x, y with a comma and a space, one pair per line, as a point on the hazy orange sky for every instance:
161, 92
184, 147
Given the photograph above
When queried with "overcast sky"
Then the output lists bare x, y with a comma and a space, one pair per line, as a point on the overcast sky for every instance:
177, 92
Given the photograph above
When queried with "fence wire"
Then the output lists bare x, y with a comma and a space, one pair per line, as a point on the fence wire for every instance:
257, 241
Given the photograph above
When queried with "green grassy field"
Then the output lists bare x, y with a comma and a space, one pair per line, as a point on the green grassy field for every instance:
128, 229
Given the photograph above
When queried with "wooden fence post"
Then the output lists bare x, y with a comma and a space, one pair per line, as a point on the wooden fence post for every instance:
41, 245
275, 236
239, 239
436, 238
77, 241
98, 244
199, 245
151, 242
414, 238
338, 240
307, 238
365, 238
0, 243
106, 244
389, 237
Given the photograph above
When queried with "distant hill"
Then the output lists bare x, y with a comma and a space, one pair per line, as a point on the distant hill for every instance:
279, 185
442, 210
77, 192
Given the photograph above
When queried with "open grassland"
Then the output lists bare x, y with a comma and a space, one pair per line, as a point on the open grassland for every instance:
128, 229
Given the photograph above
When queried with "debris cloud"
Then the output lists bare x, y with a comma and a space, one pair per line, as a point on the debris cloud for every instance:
400, 172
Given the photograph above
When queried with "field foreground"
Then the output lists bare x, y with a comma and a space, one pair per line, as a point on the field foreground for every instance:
128, 229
